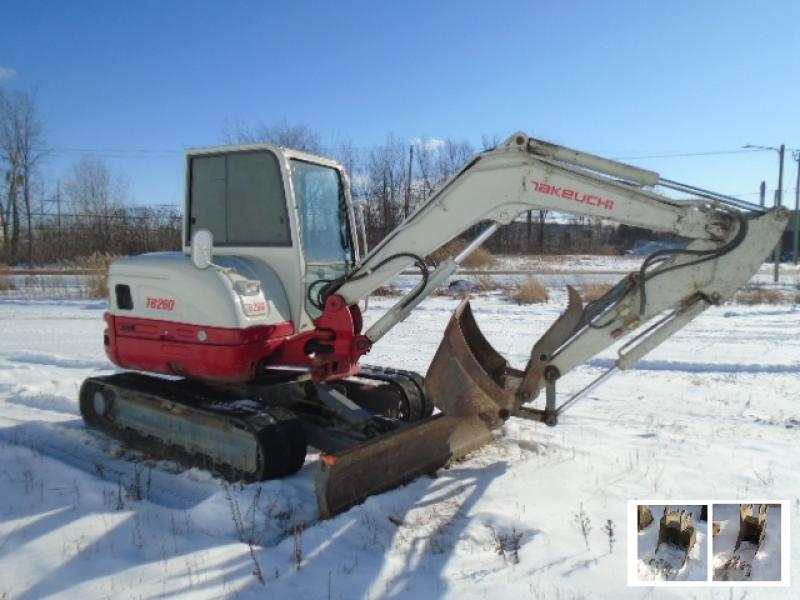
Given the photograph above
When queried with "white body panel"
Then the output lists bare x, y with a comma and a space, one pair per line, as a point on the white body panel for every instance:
167, 286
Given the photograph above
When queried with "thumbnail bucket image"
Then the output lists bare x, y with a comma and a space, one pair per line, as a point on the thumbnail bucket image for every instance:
747, 542
672, 542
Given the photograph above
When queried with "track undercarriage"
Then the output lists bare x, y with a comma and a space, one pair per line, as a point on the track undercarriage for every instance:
261, 430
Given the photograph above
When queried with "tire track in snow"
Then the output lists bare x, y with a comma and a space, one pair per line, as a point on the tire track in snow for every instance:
699, 367
53, 403
72, 444
54, 360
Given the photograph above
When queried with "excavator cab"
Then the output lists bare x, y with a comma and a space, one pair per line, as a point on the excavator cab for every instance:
288, 209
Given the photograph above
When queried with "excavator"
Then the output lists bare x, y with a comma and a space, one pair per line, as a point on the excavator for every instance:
242, 351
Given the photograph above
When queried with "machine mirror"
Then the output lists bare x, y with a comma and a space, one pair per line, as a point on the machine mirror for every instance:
202, 247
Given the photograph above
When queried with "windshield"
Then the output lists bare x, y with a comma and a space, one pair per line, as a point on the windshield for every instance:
323, 213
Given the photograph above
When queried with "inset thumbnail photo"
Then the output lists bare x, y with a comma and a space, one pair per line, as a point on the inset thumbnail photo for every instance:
747, 542
672, 542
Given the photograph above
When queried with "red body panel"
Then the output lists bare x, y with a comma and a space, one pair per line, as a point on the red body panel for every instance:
177, 349
235, 355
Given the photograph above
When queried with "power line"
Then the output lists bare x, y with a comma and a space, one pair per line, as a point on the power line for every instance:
688, 154
120, 150
150, 152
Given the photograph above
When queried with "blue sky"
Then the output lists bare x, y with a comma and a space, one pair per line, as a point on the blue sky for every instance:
617, 78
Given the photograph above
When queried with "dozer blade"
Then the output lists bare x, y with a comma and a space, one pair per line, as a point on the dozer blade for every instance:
349, 477
467, 382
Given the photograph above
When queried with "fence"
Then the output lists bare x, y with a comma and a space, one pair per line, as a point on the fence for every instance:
68, 236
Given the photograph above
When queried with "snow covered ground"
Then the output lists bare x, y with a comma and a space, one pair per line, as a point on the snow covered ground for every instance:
713, 413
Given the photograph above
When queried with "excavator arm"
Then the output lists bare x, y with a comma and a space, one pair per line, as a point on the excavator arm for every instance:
474, 387
728, 241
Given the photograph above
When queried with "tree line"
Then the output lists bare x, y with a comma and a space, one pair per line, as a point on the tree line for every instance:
91, 214
92, 211
392, 178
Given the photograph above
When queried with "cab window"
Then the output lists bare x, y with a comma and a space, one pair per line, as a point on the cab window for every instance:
239, 197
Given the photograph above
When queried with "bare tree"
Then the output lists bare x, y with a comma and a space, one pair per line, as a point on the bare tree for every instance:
425, 150
452, 155
22, 147
97, 195
490, 141
299, 137
385, 172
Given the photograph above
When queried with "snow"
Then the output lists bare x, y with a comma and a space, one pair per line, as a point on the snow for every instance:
710, 414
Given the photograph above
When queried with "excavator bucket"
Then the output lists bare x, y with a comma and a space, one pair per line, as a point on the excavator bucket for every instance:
467, 375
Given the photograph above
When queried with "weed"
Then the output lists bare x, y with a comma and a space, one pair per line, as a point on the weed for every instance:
97, 285
387, 290
297, 545
530, 292
608, 529
507, 544
755, 294
584, 524
236, 514
6, 283
120, 501
371, 530
134, 490
136, 535
28, 480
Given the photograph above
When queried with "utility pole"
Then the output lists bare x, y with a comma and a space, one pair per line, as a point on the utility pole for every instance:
776, 255
58, 205
778, 202
762, 191
407, 205
796, 219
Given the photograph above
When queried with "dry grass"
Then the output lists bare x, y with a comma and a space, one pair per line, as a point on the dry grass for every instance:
479, 259
593, 291
759, 295
605, 250
530, 292
387, 291
6, 284
97, 285
485, 283
98, 260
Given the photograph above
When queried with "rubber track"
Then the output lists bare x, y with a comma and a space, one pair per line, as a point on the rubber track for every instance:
410, 384
272, 427
275, 426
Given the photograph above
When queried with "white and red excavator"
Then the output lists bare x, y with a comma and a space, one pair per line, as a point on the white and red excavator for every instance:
244, 349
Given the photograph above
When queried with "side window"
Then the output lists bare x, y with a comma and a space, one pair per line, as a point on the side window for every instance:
323, 212
239, 197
